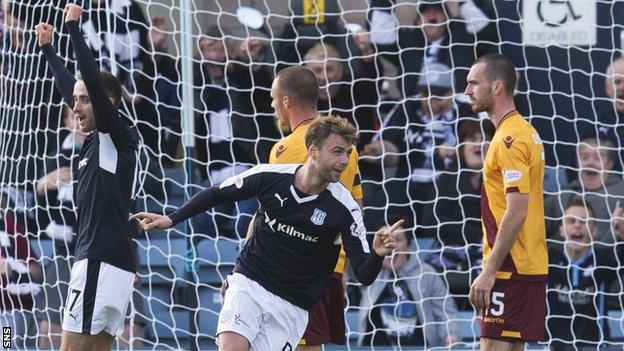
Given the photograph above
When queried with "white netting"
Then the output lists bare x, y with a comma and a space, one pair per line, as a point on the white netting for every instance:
383, 57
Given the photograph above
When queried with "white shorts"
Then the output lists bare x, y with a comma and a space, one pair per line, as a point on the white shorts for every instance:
97, 299
265, 319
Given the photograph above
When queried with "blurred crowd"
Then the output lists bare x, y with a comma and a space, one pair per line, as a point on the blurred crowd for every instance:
421, 152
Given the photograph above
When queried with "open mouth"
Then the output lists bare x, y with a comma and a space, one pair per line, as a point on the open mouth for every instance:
577, 237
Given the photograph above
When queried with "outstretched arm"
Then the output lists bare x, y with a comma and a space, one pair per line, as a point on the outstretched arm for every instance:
63, 79
239, 187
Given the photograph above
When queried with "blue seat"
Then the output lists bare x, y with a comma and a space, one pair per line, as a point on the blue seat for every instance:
352, 323
161, 261
616, 324
210, 302
217, 258
469, 326
44, 249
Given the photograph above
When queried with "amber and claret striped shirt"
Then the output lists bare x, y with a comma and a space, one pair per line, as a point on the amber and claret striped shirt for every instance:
515, 163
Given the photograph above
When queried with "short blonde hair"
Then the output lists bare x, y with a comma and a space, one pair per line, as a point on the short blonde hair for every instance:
604, 147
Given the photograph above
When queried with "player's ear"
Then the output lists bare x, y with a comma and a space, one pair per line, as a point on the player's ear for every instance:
313, 152
112, 101
497, 87
286, 102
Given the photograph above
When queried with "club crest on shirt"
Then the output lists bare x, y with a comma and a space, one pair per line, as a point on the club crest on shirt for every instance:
83, 163
318, 217
508, 142
280, 150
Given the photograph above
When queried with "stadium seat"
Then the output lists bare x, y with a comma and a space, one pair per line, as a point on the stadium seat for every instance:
469, 326
616, 324
353, 323
44, 249
161, 261
217, 258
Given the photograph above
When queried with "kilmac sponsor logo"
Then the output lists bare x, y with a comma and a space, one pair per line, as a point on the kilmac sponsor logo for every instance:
288, 230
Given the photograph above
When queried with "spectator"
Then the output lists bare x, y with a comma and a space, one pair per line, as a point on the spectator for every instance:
418, 138
610, 121
454, 214
408, 304
596, 185
164, 111
20, 276
308, 26
436, 38
580, 271
349, 95
224, 116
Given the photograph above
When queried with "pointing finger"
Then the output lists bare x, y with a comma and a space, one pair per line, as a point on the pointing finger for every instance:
396, 225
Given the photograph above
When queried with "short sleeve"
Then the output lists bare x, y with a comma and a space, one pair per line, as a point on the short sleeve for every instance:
513, 160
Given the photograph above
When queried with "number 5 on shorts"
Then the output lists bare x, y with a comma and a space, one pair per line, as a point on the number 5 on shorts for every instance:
499, 306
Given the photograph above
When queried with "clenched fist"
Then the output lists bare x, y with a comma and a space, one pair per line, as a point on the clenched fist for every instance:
44, 33
72, 12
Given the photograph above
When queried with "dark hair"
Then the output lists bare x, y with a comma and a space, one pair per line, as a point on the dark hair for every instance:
324, 126
300, 84
214, 32
111, 86
499, 67
468, 128
578, 201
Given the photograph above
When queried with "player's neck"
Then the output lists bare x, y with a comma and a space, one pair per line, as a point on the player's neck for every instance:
308, 181
498, 112
300, 116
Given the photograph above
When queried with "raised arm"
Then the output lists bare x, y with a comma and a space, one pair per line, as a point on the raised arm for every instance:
102, 108
63, 79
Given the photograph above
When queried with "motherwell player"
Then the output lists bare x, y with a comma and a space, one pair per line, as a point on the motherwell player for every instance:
511, 290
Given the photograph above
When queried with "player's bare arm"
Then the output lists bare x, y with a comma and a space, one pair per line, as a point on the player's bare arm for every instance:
511, 224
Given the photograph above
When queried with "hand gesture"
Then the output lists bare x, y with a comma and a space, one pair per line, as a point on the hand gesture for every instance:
158, 33
44, 33
385, 241
72, 12
149, 221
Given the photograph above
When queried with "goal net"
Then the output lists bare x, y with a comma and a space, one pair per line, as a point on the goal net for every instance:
197, 77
